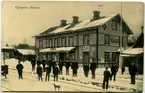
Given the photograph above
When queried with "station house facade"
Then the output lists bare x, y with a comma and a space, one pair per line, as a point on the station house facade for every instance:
98, 38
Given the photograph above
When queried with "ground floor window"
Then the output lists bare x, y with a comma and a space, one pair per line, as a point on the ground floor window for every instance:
114, 58
107, 56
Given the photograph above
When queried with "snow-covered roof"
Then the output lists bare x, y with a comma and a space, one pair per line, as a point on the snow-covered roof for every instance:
61, 49
82, 25
8, 47
133, 51
26, 51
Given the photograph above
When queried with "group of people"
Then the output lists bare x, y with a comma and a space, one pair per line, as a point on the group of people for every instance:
57, 68
108, 75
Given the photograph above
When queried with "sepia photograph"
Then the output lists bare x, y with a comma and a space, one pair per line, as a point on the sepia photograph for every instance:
72, 46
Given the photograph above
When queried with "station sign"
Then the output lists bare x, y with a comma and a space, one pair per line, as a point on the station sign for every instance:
86, 48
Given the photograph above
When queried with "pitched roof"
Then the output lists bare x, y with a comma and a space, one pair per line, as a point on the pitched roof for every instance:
83, 25
139, 42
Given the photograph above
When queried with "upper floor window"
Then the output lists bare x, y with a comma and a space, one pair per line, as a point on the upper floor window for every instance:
40, 43
107, 56
86, 40
55, 42
114, 24
50, 43
124, 41
44, 43
107, 40
71, 41
47, 43
59, 42
37, 43
63, 41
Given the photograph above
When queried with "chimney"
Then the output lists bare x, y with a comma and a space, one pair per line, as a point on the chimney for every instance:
96, 15
63, 23
75, 19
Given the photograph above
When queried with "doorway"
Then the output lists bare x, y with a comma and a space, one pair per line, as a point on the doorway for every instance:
62, 56
86, 57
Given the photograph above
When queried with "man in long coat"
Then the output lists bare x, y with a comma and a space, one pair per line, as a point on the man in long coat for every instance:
132, 71
67, 65
19, 68
93, 68
106, 78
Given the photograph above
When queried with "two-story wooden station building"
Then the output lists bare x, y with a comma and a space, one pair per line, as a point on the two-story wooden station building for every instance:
98, 38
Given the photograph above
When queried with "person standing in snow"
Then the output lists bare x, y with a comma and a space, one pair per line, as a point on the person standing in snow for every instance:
61, 64
67, 65
55, 72
86, 69
38, 61
132, 72
106, 78
48, 71
74, 67
53, 64
43, 62
93, 68
33, 63
114, 70
19, 68
39, 73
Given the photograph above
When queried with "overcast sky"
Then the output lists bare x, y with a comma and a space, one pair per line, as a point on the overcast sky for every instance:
20, 24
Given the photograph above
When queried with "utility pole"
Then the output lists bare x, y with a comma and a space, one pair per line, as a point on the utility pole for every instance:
120, 58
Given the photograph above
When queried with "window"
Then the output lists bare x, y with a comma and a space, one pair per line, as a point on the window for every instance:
114, 25
107, 56
47, 43
44, 43
55, 42
124, 41
114, 57
107, 40
41, 43
71, 41
37, 43
86, 40
50, 43
63, 41
59, 42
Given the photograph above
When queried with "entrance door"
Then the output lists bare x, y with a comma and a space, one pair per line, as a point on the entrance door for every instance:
86, 57
62, 56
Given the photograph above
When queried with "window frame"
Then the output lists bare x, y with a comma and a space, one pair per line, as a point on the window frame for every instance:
105, 40
106, 60
50, 42
47, 43
114, 53
58, 42
114, 25
88, 40
40, 43
55, 42
124, 44
69, 43
62, 41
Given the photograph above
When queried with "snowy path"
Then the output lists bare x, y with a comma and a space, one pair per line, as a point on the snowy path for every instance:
68, 83
30, 83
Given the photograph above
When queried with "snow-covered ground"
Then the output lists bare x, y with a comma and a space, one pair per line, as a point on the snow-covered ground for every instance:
67, 83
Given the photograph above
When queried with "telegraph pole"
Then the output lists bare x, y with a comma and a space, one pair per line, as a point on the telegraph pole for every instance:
120, 58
